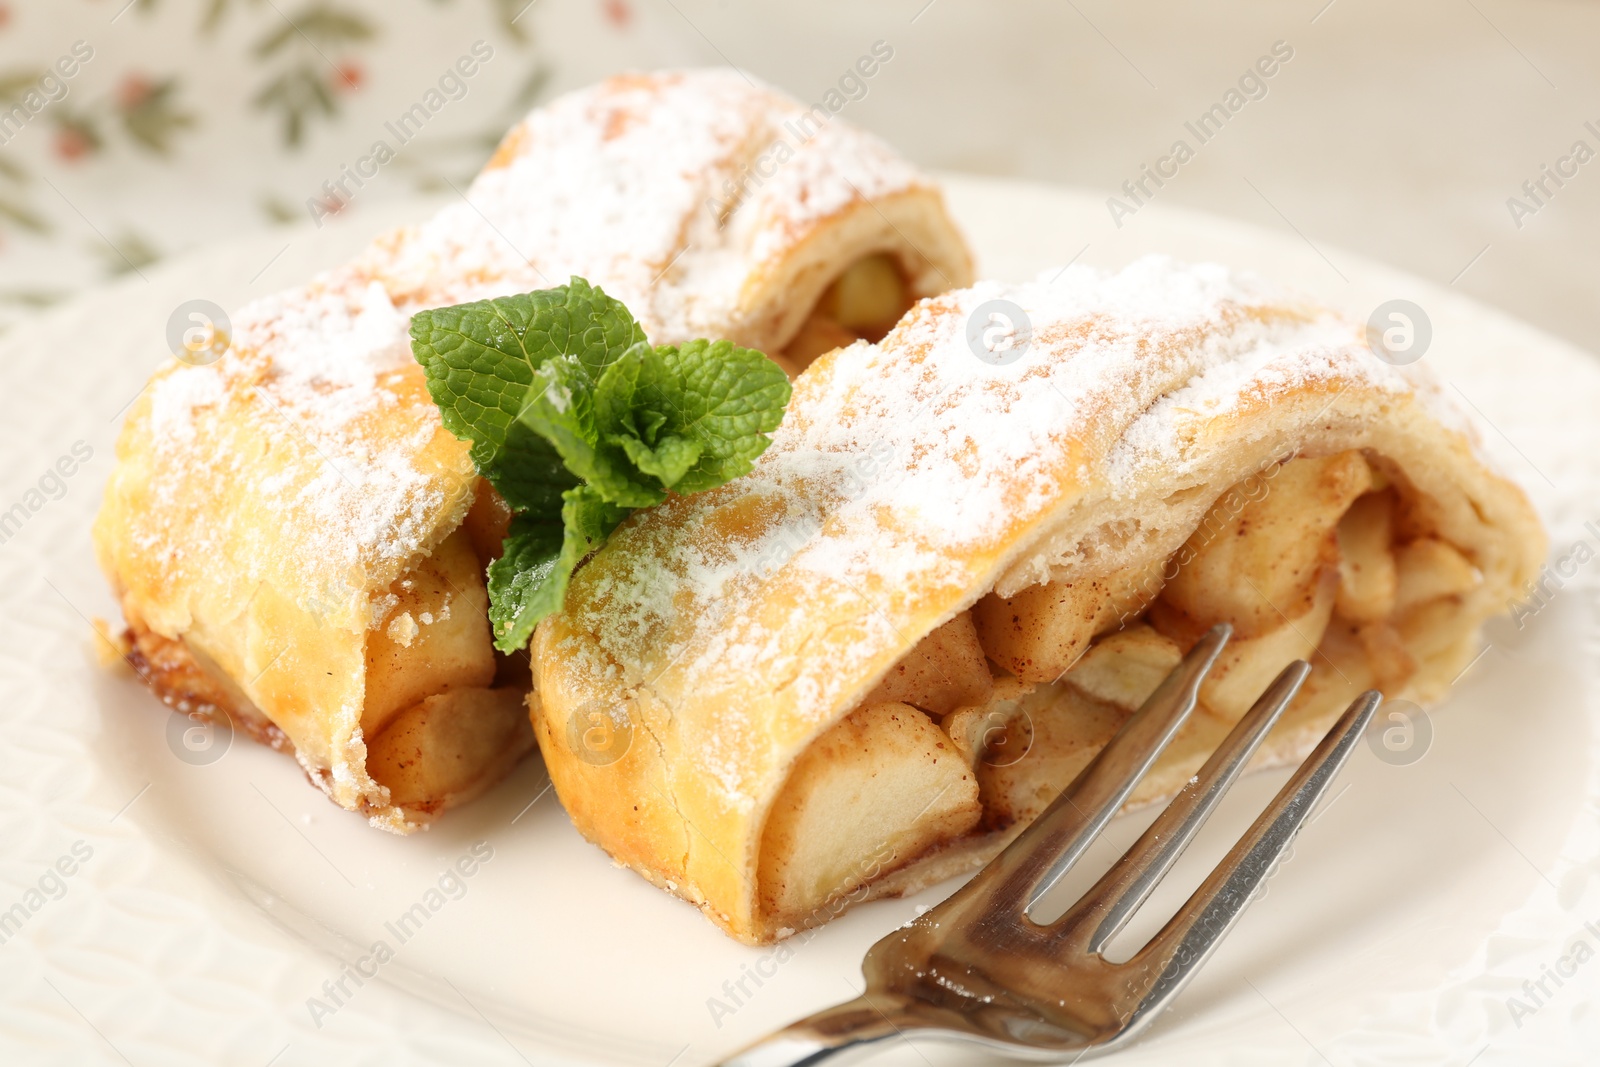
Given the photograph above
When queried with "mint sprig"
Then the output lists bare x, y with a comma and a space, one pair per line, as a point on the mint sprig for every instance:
576, 419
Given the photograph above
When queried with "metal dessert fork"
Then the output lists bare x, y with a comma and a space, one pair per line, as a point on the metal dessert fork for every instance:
978, 969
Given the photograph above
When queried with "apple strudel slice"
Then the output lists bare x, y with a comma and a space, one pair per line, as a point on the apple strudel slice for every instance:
299, 544
864, 666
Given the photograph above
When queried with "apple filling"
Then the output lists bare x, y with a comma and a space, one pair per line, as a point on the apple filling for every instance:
445, 715
862, 304
981, 724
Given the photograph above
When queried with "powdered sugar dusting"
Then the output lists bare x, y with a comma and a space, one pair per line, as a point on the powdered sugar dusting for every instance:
176, 398
1324, 349
913, 465
327, 470
641, 184
645, 186
834, 167
333, 335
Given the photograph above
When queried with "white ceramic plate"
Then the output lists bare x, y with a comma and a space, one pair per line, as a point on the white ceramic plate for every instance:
220, 892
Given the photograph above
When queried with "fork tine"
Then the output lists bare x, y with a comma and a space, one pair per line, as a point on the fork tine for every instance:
1207, 916
1075, 818
1133, 877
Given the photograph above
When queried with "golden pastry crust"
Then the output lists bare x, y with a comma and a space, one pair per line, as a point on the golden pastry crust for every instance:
172, 674
255, 510
729, 631
262, 506
710, 206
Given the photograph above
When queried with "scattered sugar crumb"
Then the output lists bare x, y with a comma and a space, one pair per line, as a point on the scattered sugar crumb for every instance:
403, 628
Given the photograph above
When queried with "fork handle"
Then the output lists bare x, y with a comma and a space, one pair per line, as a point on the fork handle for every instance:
837, 1035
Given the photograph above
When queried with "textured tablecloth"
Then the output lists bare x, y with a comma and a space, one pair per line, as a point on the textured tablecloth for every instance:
1440, 135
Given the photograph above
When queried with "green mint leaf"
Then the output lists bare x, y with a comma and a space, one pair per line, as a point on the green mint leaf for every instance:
693, 416
562, 411
520, 586
576, 419
668, 461
481, 361
529, 472
530, 580
631, 404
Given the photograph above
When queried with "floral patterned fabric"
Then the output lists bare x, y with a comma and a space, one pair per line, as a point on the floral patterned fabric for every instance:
133, 130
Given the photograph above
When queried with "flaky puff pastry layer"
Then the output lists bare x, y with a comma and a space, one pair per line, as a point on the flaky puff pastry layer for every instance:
728, 632
262, 505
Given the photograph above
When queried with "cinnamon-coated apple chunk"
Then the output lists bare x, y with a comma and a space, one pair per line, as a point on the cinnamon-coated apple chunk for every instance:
868, 298
879, 788
1429, 569
942, 672
1386, 655
1044, 739
862, 303
1436, 631
434, 636
1255, 564
1367, 576
1124, 668
1040, 632
1246, 666
981, 732
450, 747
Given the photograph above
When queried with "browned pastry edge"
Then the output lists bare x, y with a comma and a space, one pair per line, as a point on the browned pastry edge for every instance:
170, 671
